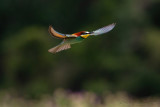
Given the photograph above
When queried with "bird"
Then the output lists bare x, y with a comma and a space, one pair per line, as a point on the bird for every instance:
68, 39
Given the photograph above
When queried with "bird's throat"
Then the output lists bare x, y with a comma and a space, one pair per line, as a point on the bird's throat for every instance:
85, 36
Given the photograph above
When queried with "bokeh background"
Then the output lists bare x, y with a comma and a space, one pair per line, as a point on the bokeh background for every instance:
127, 59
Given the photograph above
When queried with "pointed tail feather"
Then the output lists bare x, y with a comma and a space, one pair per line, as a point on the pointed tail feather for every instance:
59, 48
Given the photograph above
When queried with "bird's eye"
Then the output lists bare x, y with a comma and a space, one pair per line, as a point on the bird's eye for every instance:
86, 33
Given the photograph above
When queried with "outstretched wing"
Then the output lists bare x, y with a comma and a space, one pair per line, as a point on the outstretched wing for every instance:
59, 48
59, 35
55, 33
103, 29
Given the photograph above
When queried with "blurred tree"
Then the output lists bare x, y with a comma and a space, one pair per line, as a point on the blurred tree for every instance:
126, 61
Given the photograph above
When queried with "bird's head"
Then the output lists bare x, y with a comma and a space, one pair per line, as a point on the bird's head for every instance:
83, 34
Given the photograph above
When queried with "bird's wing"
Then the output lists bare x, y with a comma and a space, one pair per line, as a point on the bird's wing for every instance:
59, 35
103, 29
59, 48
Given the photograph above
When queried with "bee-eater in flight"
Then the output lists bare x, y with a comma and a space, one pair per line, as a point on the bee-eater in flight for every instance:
69, 39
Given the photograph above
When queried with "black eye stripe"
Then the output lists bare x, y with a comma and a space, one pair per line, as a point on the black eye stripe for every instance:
86, 33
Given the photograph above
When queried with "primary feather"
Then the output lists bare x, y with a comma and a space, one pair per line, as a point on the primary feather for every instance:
103, 29
59, 48
55, 33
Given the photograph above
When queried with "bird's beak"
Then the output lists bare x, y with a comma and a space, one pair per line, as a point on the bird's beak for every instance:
85, 36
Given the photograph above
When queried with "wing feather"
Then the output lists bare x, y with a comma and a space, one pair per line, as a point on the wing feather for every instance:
103, 29
56, 34
59, 48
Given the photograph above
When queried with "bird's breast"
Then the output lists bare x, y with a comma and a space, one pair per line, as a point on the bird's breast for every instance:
75, 40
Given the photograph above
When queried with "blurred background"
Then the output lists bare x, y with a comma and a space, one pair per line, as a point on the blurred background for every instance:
127, 59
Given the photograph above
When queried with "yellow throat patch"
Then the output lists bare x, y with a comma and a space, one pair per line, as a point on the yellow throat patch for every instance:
85, 36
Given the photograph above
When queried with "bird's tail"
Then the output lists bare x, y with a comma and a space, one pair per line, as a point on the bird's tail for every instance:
59, 48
